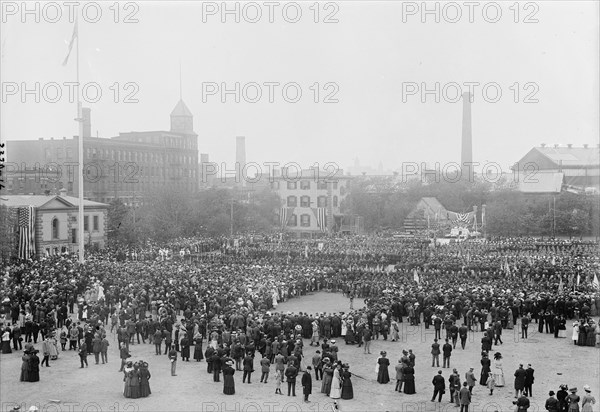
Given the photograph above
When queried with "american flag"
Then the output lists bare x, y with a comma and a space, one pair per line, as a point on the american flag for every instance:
283, 216
461, 218
26, 232
321, 217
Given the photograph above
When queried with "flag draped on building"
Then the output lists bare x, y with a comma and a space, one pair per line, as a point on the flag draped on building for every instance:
283, 216
461, 219
26, 232
415, 275
321, 215
595, 283
73, 37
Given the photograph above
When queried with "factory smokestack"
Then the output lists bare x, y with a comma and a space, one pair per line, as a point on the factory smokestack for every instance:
466, 157
240, 157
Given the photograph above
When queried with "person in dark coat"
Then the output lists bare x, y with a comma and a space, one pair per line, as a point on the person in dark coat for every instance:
408, 375
34, 366
383, 375
561, 397
198, 349
520, 376
248, 367
83, 353
485, 368
25, 366
208, 355
529, 381
228, 382
216, 366
185, 349
307, 383
290, 373
439, 386
347, 389
144, 380
552, 403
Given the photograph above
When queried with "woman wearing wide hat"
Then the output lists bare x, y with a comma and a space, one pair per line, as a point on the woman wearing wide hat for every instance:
588, 400
34, 366
383, 362
485, 368
144, 380
498, 371
25, 365
228, 382
347, 389
573, 401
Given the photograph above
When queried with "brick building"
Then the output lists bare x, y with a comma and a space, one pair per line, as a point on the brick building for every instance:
125, 166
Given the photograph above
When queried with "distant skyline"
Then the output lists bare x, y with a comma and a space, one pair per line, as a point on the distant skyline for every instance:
370, 61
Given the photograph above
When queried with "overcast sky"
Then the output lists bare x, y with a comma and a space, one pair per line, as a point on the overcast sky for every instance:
371, 56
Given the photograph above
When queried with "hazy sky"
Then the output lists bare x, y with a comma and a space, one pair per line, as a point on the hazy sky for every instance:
372, 56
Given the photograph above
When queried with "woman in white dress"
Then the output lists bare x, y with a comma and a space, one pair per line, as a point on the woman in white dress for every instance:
575, 335
344, 327
336, 384
275, 297
498, 371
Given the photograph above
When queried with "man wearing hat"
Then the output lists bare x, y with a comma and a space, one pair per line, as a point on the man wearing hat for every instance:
435, 353
471, 380
439, 386
551, 403
306, 384
520, 376
529, 380
317, 365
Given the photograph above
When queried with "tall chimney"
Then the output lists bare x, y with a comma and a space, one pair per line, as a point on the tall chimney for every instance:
240, 158
466, 158
87, 121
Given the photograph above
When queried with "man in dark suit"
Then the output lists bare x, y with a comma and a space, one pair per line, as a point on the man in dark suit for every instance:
463, 332
454, 334
248, 367
216, 365
435, 353
529, 381
447, 349
439, 386
290, 373
520, 376
306, 384
524, 326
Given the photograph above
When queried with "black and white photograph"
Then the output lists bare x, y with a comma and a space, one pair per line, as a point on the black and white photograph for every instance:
311, 205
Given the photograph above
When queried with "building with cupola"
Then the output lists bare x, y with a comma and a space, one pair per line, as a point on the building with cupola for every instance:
127, 166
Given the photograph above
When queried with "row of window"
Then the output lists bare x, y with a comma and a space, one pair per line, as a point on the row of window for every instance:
292, 201
122, 156
306, 185
304, 220
95, 223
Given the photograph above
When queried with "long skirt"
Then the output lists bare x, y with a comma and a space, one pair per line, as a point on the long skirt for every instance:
198, 352
6, 346
336, 389
347, 389
499, 378
409, 384
145, 388
228, 385
562, 333
326, 385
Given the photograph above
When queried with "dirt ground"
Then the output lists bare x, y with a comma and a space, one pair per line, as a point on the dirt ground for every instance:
66, 387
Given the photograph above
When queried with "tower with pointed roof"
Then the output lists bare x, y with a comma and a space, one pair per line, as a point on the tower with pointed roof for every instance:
182, 120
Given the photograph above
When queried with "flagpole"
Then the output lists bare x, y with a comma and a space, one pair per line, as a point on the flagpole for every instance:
80, 157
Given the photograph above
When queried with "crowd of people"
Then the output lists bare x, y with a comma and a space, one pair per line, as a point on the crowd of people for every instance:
228, 302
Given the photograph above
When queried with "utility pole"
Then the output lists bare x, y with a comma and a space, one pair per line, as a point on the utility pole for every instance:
231, 218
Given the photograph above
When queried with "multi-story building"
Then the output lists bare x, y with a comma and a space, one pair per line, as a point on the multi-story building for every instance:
125, 166
313, 203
